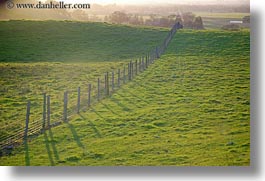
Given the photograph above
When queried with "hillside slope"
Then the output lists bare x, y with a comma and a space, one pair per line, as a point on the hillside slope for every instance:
191, 107
70, 41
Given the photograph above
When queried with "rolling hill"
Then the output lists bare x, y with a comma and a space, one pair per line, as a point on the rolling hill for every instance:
189, 108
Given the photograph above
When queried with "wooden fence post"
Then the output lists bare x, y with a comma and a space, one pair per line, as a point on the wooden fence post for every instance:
119, 77
157, 53
136, 67
65, 106
146, 65
98, 96
129, 78
124, 76
89, 95
143, 66
78, 99
49, 111
107, 84
27, 122
112, 81
140, 62
44, 112
131, 70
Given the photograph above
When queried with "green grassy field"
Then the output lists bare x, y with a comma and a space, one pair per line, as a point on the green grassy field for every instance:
65, 41
53, 57
189, 108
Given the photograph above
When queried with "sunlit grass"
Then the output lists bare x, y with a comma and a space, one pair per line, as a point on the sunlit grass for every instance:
189, 108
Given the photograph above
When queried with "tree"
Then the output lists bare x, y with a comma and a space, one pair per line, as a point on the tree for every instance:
106, 19
134, 20
119, 17
79, 15
179, 19
164, 22
188, 19
246, 19
198, 24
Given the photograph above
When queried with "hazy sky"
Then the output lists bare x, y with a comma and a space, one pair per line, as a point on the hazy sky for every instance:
155, 1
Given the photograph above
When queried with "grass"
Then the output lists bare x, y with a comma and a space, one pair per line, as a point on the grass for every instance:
190, 108
67, 41
54, 56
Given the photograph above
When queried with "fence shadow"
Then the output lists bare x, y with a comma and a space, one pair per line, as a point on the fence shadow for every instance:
27, 158
142, 100
54, 149
93, 126
119, 103
75, 135
107, 107
94, 111
126, 99
47, 144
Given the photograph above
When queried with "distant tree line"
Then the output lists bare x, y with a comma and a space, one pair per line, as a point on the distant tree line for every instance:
188, 20
237, 27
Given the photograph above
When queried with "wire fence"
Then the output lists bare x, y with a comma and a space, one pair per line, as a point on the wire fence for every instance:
57, 109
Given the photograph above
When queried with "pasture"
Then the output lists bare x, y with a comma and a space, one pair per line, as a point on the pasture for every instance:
189, 108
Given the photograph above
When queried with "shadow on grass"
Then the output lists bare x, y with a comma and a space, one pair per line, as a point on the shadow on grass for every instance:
54, 149
51, 147
107, 107
142, 100
93, 126
27, 158
96, 112
75, 135
47, 144
119, 103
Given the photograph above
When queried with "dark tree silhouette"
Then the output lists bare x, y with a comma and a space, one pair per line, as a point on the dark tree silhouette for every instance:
198, 24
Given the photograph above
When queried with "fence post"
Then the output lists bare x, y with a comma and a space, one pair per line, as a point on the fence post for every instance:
136, 67
124, 76
78, 99
143, 66
147, 58
129, 72
27, 122
140, 61
157, 53
65, 106
89, 95
119, 77
98, 96
44, 112
49, 111
131, 69
146, 65
112, 81
107, 83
